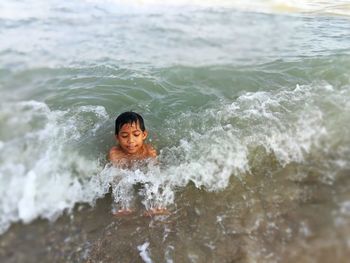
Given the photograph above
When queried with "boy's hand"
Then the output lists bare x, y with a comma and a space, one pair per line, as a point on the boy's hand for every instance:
123, 212
156, 211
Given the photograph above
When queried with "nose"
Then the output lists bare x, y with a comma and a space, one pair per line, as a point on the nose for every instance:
131, 139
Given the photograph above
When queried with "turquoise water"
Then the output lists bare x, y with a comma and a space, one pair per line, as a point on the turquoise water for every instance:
247, 106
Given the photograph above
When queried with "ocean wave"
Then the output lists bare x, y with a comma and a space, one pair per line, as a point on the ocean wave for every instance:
41, 173
266, 6
47, 175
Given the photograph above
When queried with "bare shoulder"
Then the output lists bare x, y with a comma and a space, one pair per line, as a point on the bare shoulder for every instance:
151, 152
115, 153
114, 149
117, 157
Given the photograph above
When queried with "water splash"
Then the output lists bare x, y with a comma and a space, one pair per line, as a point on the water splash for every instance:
41, 174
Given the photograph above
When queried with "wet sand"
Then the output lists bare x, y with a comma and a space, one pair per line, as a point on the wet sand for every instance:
261, 217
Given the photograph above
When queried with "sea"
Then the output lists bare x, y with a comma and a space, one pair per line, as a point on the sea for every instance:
246, 102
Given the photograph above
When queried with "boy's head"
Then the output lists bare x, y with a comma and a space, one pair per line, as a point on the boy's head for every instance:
131, 118
130, 132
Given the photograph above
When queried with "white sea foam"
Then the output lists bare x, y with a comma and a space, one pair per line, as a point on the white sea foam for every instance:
267, 6
40, 174
144, 253
42, 9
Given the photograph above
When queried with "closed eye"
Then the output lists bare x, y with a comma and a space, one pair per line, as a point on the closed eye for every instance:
124, 135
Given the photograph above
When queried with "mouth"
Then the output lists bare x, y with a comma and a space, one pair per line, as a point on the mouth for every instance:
132, 148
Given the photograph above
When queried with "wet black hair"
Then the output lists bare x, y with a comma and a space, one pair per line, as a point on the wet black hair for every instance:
128, 117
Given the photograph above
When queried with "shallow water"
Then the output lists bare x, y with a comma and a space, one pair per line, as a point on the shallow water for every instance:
247, 105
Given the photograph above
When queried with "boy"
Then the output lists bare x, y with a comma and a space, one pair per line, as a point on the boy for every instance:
130, 133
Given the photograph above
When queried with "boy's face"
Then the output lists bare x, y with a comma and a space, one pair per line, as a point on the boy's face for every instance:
131, 137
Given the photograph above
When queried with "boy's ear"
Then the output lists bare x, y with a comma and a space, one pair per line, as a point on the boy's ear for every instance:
145, 134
